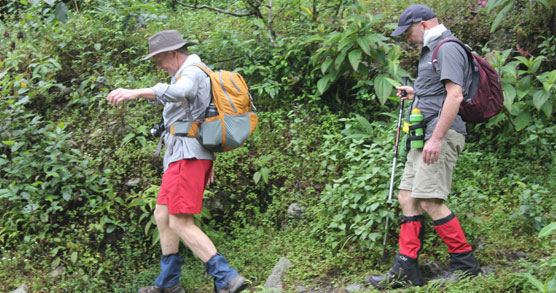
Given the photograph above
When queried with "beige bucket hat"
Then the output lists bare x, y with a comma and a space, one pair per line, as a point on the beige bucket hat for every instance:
165, 41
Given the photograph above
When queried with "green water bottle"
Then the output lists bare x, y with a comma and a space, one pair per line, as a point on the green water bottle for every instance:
416, 132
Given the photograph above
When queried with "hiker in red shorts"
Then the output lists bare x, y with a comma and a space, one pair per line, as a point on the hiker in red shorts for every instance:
188, 166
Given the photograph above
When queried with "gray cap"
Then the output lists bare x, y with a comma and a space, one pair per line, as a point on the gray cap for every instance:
165, 41
412, 14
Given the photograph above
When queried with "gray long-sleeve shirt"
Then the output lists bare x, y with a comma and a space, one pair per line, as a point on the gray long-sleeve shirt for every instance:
189, 91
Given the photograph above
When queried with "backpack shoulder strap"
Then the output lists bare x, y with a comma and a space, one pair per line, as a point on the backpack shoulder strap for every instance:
455, 40
205, 69
473, 88
208, 72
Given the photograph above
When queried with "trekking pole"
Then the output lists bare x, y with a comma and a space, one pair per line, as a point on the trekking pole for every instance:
396, 147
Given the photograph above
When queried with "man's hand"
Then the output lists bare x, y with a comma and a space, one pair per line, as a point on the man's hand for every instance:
119, 95
211, 176
409, 90
450, 108
431, 151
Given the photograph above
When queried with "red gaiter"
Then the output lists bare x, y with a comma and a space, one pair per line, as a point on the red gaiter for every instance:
451, 233
411, 235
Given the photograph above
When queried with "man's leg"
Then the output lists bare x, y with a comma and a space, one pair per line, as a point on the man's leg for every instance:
183, 225
405, 269
449, 229
410, 239
412, 227
226, 279
410, 205
169, 240
170, 263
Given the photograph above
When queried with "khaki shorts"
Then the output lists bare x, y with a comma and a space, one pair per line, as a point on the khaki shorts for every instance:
434, 180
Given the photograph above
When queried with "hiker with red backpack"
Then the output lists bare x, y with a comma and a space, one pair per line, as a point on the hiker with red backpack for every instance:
438, 92
188, 165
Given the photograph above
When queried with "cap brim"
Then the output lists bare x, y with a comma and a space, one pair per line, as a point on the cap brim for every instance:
168, 49
400, 30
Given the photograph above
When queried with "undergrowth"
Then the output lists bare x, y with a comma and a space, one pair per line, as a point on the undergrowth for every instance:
78, 178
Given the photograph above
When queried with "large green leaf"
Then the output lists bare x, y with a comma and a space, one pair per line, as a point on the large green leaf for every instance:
393, 82
340, 59
355, 58
492, 4
509, 95
522, 93
323, 83
547, 109
536, 64
365, 44
539, 98
501, 16
62, 12
345, 44
536, 282
377, 38
548, 79
315, 38
383, 88
326, 64
522, 120
332, 38
365, 124
545, 3
547, 230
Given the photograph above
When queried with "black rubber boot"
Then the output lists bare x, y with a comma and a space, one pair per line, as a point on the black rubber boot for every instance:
462, 265
462, 260
405, 272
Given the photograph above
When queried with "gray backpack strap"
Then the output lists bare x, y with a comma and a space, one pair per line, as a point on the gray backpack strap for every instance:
159, 146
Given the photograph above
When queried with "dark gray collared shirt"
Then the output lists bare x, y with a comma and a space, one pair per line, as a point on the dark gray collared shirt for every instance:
430, 91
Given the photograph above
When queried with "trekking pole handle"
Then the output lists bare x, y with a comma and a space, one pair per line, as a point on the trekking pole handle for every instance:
404, 83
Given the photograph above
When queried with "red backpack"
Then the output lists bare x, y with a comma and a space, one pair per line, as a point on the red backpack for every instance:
485, 97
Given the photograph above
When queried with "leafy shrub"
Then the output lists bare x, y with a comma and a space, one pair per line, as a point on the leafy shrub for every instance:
44, 178
526, 92
359, 48
353, 207
280, 165
78, 182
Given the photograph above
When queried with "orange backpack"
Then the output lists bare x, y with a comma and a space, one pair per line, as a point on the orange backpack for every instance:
229, 121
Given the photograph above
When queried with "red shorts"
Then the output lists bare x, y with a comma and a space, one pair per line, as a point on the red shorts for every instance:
183, 185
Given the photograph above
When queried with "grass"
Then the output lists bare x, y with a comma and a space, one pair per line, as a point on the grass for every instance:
254, 250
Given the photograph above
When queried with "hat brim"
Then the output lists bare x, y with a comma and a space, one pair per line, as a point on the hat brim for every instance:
168, 49
400, 30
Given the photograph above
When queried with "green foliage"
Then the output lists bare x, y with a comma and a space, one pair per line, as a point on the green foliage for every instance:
548, 230
533, 207
78, 182
42, 174
528, 95
546, 267
355, 59
503, 7
353, 207
280, 165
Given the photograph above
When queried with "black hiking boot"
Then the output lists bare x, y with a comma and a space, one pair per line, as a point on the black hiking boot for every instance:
404, 273
462, 265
